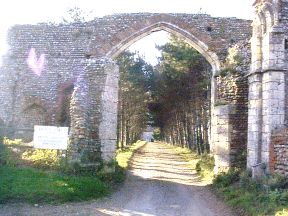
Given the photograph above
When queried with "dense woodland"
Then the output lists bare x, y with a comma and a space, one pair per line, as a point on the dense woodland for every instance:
173, 96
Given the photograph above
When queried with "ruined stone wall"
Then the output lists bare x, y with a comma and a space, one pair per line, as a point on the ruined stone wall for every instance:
278, 159
232, 104
35, 97
65, 47
94, 113
233, 90
279, 152
45, 60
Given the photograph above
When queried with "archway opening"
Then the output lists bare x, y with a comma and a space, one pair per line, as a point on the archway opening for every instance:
169, 100
63, 113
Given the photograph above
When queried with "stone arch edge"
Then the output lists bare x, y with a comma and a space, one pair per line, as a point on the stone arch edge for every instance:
199, 45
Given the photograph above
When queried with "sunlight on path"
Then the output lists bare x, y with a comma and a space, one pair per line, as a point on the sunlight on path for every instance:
160, 162
160, 183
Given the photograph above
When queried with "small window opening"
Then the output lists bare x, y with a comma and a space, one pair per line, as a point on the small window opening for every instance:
87, 56
209, 28
286, 44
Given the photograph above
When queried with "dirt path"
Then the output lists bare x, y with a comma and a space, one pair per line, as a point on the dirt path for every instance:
158, 184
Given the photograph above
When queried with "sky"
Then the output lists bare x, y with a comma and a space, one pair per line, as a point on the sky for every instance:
36, 11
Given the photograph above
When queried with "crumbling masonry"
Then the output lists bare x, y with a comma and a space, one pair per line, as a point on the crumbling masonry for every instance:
66, 75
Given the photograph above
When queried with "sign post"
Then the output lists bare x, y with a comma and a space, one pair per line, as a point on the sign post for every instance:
50, 137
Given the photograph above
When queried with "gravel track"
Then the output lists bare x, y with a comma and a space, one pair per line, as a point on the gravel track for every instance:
159, 183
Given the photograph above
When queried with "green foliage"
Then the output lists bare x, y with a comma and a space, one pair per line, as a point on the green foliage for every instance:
233, 60
7, 141
181, 95
282, 212
266, 196
116, 177
227, 71
2, 149
8, 151
123, 156
6, 156
226, 179
42, 158
205, 167
157, 134
275, 182
71, 182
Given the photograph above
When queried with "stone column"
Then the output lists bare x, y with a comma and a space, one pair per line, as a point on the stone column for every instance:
254, 141
254, 144
94, 113
79, 112
266, 86
222, 131
273, 89
273, 109
213, 126
109, 102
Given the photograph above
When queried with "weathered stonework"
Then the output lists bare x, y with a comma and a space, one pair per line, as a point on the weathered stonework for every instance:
48, 65
279, 152
267, 81
232, 94
231, 108
80, 56
221, 133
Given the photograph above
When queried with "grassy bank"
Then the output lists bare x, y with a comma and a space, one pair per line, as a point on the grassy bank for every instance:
36, 176
266, 196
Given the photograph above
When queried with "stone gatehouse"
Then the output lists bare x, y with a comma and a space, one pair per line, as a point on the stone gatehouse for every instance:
66, 75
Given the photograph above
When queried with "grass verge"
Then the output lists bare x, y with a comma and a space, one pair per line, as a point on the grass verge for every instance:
35, 185
203, 164
123, 156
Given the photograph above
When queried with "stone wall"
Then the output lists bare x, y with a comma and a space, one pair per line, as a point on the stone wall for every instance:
232, 105
233, 90
45, 60
94, 113
279, 152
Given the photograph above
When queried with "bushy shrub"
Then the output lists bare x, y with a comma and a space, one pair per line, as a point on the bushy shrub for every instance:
7, 141
263, 196
205, 167
42, 158
205, 163
226, 179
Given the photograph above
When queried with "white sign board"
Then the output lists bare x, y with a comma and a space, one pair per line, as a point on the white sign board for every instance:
50, 137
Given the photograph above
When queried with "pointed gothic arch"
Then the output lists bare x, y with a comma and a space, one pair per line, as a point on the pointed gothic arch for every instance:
196, 43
